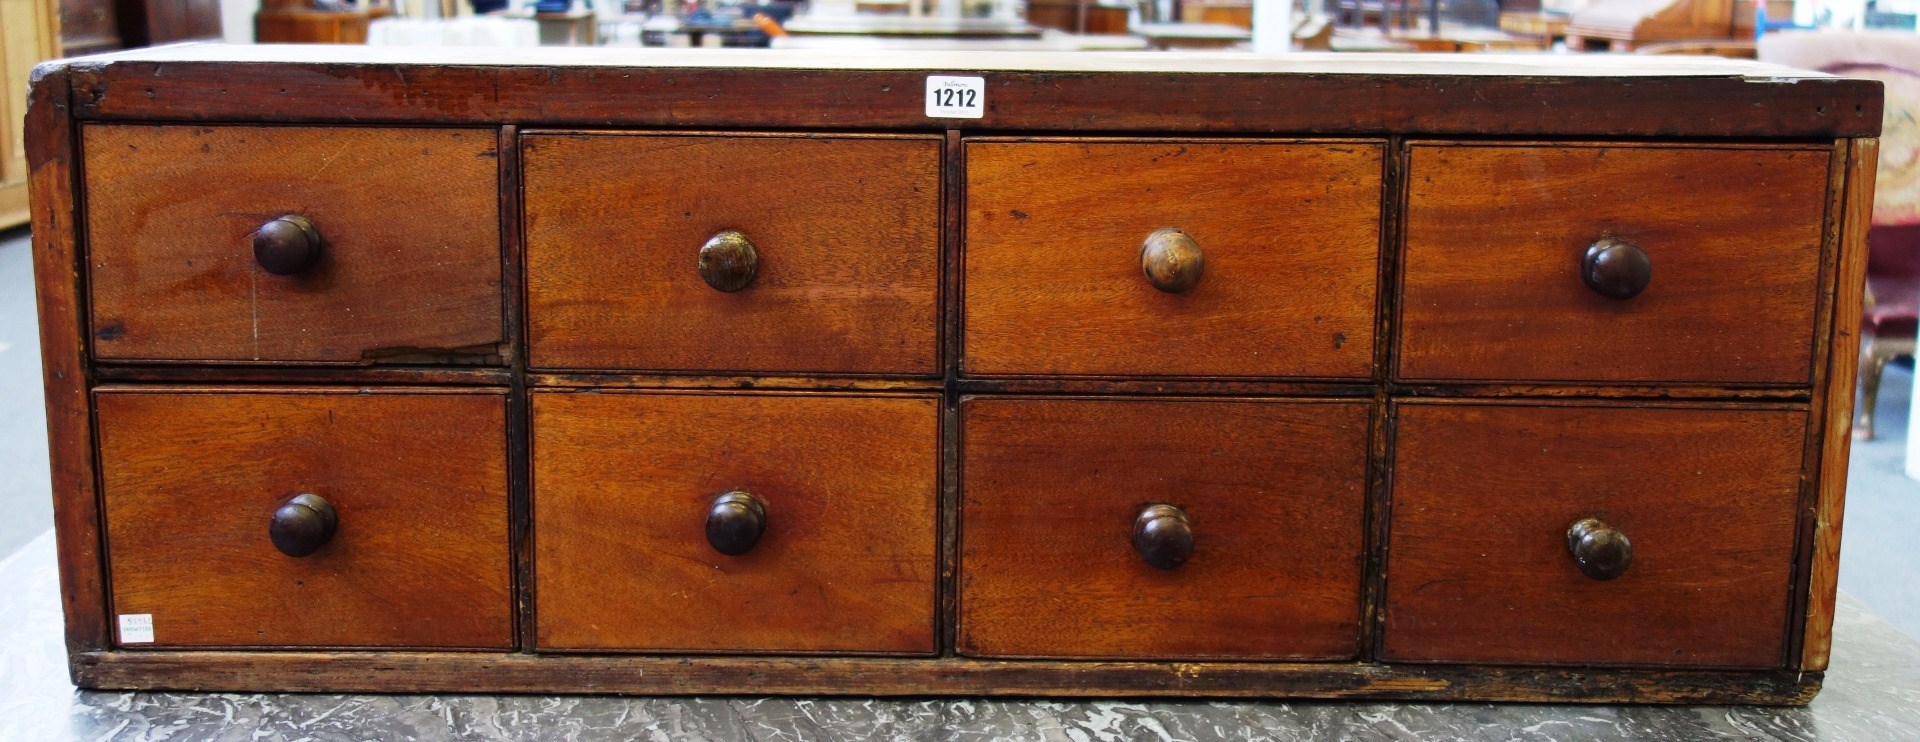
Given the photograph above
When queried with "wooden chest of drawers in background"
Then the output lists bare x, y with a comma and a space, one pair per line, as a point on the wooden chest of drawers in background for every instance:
1354, 377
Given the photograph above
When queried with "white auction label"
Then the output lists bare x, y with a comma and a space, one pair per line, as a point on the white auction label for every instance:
956, 97
136, 628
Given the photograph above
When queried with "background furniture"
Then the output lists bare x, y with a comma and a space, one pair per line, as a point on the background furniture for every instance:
297, 21
154, 22
1192, 35
986, 405
1623, 25
1893, 269
88, 26
1078, 16
28, 35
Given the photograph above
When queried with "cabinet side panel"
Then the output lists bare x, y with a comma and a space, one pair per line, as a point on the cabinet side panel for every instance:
53, 162
1843, 361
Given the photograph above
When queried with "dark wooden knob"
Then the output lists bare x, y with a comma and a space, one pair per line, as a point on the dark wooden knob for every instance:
1163, 536
287, 245
1615, 268
1601, 552
303, 525
728, 261
735, 522
1172, 260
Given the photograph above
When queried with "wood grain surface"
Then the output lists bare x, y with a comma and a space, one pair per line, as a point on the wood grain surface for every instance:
622, 484
410, 218
1050, 489
1290, 233
416, 672
53, 163
847, 230
193, 476
1478, 567
1471, 95
1836, 430
1495, 235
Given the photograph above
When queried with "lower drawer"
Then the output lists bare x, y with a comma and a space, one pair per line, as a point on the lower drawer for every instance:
1162, 528
735, 522
1592, 535
307, 518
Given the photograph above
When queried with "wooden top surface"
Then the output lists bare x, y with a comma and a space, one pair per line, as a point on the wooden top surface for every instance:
1517, 95
1299, 63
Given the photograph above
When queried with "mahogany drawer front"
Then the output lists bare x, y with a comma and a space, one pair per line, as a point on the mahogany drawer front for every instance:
1287, 236
1054, 562
1722, 244
843, 233
835, 552
200, 491
1482, 566
402, 260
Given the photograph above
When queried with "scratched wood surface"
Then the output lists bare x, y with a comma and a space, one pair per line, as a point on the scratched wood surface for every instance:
1050, 489
192, 477
1478, 567
410, 218
1053, 282
846, 229
622, 485
1491, 276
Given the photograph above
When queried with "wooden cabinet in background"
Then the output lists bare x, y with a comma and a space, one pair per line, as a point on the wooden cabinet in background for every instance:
155, 22
29, 34
88, 27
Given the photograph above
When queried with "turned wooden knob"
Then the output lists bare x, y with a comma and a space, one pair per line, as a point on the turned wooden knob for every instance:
1601, 552
1615, 268
303, 525
1163, 536
728, 261
287, 245
1171, 260
735, 522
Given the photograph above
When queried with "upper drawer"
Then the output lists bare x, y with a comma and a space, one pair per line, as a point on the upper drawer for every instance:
1274, 276
406, 264
337, 518
1589, 263
801, 253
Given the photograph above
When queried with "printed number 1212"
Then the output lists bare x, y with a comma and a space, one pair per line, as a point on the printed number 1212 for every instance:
952, 98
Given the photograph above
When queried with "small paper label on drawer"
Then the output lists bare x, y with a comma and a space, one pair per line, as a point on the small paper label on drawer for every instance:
956, 97
136, 628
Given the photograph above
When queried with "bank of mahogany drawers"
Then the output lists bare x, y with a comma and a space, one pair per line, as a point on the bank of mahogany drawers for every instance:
977, 401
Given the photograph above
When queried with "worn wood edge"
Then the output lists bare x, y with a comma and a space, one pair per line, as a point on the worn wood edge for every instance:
1621, 391
953, 230
442, 672
1162, 386
1242, 103
1823, 578
550, 381
297, 375
571, 133
790, 393
519, 432
724, 378
332, 389
1810, 146
1663, 404
1832, 228
1386, 350
57, 275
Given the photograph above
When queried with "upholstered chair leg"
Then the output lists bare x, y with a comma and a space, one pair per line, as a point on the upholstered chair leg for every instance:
1873, 360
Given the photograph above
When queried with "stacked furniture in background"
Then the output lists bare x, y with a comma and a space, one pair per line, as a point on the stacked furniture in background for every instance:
1892, 314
